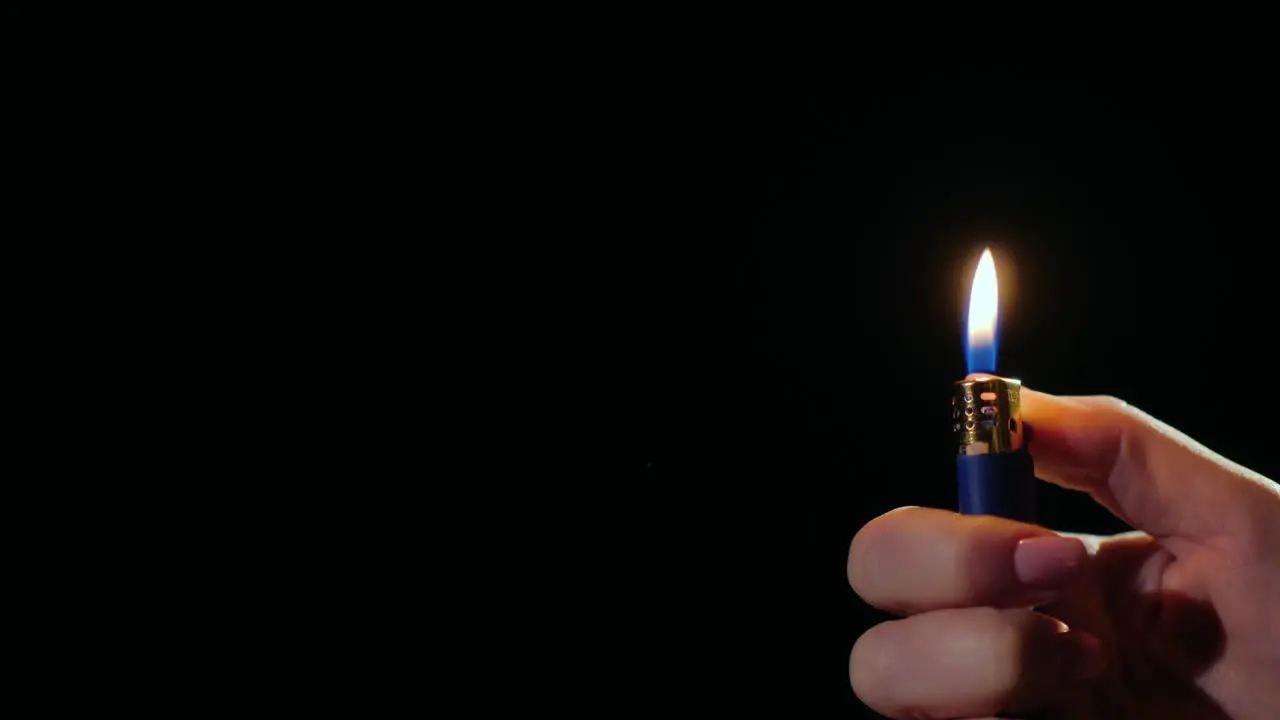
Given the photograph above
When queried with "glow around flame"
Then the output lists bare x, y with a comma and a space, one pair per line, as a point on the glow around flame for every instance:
984, 300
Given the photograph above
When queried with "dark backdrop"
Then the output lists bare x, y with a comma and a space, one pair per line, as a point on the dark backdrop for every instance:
806, 240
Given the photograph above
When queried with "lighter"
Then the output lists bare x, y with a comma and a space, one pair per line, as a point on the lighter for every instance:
995, 472
994, 468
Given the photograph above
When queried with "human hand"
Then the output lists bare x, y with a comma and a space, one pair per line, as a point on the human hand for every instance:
1180, 619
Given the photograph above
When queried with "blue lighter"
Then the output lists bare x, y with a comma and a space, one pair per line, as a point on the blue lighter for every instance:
994, 469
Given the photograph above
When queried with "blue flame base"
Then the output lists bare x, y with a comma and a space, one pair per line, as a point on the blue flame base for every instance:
1002, 484
981, 359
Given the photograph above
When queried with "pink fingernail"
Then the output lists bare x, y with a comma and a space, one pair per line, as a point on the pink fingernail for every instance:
1048, 562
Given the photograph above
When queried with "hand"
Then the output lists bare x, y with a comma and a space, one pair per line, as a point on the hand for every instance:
1178, 620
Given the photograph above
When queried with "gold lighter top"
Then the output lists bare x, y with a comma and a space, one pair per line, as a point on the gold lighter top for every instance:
986, 414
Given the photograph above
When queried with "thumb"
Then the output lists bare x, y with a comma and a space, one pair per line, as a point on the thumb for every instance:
1147, 473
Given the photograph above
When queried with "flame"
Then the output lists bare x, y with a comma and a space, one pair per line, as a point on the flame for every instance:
984, 298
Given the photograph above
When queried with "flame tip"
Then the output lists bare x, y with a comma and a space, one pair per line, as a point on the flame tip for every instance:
980, 345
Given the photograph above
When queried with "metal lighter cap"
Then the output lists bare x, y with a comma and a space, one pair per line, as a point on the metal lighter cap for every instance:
986, 415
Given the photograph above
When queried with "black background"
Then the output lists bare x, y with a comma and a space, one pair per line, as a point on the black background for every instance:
805, 243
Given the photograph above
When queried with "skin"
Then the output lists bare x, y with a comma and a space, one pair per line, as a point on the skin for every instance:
1180, 619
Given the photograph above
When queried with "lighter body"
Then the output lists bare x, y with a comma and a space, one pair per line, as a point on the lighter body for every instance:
994, 470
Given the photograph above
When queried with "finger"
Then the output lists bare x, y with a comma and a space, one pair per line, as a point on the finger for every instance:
1149, 474
970, 662
916, 559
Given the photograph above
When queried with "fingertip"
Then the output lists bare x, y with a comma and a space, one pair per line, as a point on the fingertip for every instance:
1036, 404
970, 662
1040, 408
869, 667
869, 543
1075, 431
914, 559
1042, 404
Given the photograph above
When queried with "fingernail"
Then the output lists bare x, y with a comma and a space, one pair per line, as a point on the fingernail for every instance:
1089, 661
1048, 562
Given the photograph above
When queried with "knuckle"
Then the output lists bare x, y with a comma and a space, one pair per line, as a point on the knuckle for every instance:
1257, 535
